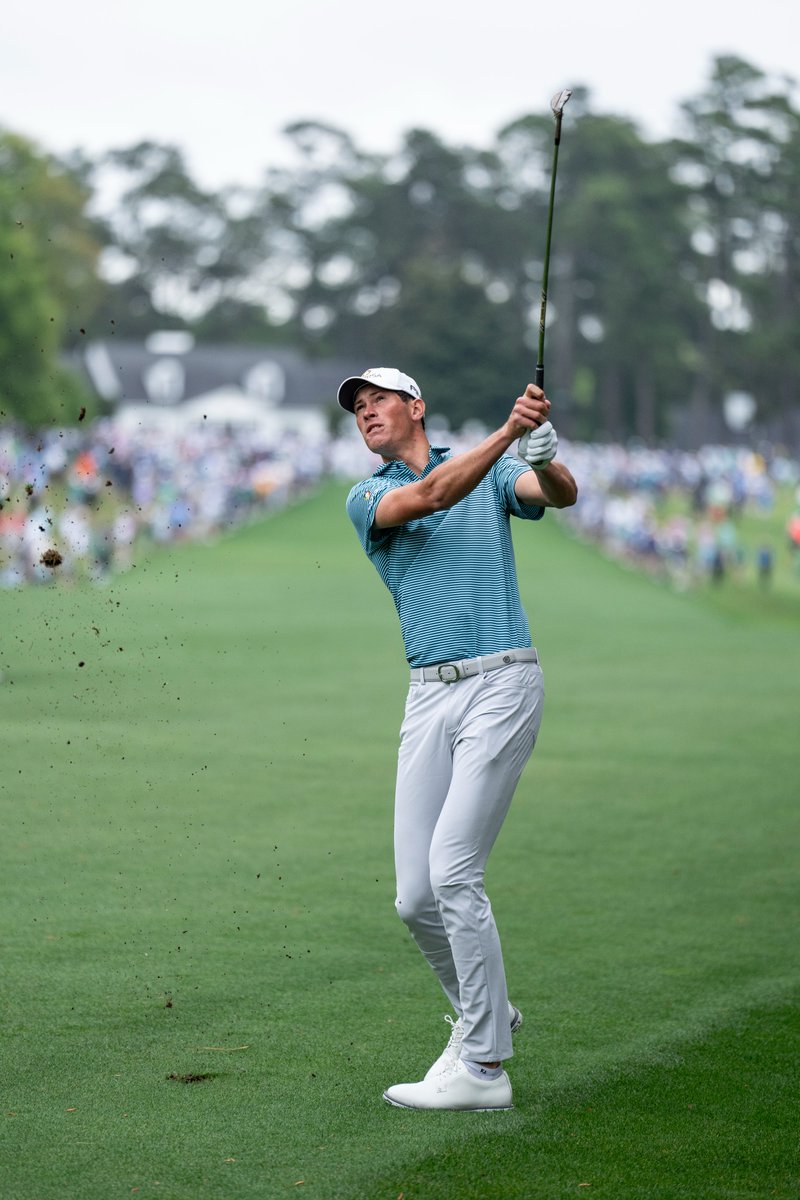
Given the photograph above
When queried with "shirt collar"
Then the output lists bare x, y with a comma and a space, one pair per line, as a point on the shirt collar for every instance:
397, 466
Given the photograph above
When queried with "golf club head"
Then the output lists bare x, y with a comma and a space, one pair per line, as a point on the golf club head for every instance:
559, 100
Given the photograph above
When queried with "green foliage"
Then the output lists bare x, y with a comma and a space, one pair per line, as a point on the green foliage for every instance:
50, 200
28, 332
630, 312
739, 161
48, 283
186, 256
459, 342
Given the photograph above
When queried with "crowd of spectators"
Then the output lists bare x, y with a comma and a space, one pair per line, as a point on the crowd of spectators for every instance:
678, 514
91, 496
87, 497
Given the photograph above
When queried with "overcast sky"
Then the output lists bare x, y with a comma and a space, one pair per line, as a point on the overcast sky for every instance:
222, 80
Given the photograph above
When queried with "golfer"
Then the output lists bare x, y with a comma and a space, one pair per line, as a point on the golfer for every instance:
436, 528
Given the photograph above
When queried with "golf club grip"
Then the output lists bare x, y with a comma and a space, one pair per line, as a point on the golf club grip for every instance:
538, 377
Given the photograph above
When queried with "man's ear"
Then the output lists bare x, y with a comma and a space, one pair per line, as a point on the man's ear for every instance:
419, 408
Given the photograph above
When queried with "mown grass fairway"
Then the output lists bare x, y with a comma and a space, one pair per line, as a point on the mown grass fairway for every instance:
205, 988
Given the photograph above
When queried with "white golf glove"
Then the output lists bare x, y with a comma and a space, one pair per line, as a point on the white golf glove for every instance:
538, 447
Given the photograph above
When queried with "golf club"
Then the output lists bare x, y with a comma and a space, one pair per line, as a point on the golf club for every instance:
557, 105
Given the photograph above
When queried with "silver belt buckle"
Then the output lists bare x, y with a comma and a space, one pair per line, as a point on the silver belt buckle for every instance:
448, 673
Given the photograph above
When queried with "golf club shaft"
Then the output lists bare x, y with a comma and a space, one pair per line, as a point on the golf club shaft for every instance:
539, 375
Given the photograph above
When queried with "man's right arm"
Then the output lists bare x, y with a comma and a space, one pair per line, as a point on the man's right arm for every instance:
454, 479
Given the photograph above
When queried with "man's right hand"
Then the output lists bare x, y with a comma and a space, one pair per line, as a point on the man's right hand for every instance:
529, 412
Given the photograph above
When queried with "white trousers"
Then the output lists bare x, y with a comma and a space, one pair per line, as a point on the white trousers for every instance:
462, 750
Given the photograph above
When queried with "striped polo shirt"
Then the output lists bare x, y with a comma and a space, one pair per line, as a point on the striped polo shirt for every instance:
452, 574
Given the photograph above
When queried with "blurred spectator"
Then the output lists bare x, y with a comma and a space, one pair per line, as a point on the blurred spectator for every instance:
793, 530
764, 564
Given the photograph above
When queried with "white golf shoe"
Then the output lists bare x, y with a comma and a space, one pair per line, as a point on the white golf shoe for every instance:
452, 1051
454, 1088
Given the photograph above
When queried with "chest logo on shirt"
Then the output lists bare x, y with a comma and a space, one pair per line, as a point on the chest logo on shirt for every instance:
367, 495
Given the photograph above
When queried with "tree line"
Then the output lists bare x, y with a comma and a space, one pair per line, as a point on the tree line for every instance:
674, 280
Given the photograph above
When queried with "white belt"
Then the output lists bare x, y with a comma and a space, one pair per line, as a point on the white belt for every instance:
451, 672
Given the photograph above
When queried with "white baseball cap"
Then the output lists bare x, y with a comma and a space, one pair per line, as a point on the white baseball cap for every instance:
381, 377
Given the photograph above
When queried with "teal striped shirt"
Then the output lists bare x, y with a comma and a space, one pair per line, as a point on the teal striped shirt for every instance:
452, 575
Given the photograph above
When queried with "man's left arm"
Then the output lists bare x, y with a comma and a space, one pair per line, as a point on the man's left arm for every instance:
552, 486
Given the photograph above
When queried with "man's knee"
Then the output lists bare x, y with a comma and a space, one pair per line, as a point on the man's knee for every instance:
416, 908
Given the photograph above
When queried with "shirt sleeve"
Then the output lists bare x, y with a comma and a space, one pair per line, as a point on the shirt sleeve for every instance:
506, 471
361, 505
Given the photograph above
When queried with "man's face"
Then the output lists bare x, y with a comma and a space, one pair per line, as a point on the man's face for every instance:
384, 419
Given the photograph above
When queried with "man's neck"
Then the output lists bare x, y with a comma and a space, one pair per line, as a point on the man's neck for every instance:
416, 455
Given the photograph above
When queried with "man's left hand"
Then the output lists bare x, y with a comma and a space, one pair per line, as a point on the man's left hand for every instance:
538, 447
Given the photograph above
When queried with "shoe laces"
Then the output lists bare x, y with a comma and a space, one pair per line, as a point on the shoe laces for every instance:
453, 1067
454, 1044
